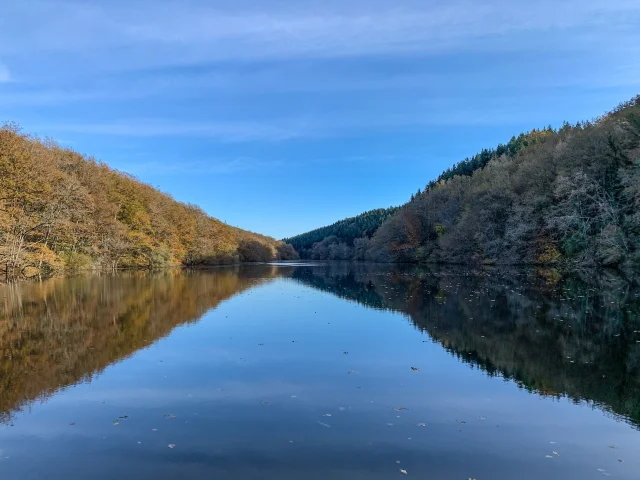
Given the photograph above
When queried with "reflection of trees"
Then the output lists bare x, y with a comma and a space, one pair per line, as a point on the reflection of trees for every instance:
552, 335
64, 331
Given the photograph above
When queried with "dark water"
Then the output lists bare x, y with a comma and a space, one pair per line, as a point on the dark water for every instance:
290, 372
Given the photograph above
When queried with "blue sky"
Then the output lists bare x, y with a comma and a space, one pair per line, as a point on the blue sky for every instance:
283, 116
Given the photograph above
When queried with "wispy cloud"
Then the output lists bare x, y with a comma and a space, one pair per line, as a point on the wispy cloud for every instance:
227, 131
150, 34
300, 127
4, 73
206, 167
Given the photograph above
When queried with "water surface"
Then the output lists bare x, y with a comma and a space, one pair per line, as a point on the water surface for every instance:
330, 371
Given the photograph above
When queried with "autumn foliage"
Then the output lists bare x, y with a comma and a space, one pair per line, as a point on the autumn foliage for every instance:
60, 210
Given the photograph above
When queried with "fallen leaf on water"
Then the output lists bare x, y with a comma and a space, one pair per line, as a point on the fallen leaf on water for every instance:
404, 472
620, 460
116, 422
171, 445
415, 369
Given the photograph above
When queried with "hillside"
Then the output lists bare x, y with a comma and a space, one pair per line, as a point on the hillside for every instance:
343, 239
60, 210
566, 196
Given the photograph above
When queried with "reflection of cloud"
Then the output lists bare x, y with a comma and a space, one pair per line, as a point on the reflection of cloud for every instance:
230, 390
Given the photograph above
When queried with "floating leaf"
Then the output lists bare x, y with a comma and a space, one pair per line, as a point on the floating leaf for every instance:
415, 369
171, 445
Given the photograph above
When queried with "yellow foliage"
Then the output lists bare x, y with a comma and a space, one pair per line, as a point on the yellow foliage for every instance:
57, 207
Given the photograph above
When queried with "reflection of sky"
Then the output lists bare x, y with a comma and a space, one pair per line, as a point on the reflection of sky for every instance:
214, 377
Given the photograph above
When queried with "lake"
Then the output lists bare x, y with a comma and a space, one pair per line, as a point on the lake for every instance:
321, 371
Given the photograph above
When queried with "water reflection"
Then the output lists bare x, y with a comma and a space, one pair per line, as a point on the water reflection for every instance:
552, 335
64, 331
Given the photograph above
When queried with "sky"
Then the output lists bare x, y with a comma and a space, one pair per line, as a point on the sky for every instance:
283, 116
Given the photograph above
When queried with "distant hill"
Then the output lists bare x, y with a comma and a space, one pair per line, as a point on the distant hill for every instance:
565, 196
338, 240
60, 210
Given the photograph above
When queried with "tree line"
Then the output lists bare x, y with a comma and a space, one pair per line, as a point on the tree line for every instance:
552, 196
341, 240
60, 210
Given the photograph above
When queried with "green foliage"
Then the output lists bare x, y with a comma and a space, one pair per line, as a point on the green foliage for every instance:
75, 262
345, 231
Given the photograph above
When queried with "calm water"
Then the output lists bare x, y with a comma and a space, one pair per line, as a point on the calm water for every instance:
321, 372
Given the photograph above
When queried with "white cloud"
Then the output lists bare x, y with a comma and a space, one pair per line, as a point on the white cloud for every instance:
221, 130
4, 73
118, 36
317, 126
217, 166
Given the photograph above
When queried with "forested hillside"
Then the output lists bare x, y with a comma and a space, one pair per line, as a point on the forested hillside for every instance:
569, 196
60, 211
342, 240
